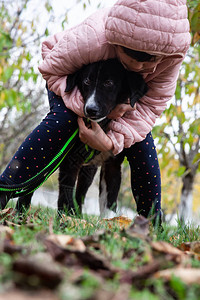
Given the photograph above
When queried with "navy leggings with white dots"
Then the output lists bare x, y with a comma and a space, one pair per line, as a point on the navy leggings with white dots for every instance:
45, 141
145, 175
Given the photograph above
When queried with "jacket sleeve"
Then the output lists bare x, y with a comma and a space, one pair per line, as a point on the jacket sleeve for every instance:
67, 52
135, 125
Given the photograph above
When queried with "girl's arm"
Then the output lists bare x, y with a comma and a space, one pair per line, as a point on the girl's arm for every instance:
136, 124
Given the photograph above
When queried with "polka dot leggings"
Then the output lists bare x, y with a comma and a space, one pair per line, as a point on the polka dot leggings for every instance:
42, 144
46, 140
145, 176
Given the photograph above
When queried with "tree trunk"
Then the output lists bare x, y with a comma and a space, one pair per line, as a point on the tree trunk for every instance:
185, 208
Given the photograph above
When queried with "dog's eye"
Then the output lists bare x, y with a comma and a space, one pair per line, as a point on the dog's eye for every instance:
108, 83
87, 81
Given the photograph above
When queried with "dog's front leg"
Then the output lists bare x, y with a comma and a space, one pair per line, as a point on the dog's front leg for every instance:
23, 202
68, 173
110, 180
85, 179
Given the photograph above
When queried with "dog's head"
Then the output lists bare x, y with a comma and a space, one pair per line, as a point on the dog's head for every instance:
105, 84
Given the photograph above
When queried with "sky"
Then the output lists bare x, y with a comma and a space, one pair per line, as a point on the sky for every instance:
77, 14
73, 8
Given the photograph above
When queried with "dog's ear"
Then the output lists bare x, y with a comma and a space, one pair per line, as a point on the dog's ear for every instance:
137, 87
71, 81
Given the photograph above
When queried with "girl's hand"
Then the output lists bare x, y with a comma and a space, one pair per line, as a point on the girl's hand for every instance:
94, 137
120, 110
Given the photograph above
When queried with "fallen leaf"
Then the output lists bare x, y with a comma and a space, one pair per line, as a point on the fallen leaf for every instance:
7, 212
74, 222
143, 272
122, 222
6, 243
171, 253
190, 246
18, 294
166, 248
10, 248
6, 231
41, 266
187, 275
11, 223
67, 241
69, 256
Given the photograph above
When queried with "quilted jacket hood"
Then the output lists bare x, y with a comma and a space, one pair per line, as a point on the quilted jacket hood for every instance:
154, 26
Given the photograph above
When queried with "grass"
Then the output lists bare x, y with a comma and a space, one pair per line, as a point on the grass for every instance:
122, 251
179, 234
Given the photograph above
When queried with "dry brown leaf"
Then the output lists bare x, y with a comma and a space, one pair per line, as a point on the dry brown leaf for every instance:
142, 272
190, 246
18, 294
6, 243
66, 241
170, 252
166, 248
5, 236
10, 248
73, 222
188, 276
122, 222
7, 213
11, 223
70, 256
40, 265
6, 231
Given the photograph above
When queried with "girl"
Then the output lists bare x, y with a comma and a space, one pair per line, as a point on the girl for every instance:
147, 36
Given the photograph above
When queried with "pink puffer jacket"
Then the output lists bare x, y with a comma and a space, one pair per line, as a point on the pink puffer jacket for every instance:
154, 26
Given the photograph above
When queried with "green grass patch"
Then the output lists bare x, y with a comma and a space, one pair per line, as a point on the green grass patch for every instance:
116, 249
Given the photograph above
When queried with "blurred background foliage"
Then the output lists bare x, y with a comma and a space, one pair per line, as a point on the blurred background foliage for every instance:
23, 98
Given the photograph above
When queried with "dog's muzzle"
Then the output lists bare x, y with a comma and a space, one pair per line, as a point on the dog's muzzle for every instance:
92, 113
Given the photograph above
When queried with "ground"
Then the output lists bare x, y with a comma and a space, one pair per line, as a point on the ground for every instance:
43, 256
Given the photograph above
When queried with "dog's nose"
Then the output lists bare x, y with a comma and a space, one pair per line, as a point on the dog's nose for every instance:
91, 111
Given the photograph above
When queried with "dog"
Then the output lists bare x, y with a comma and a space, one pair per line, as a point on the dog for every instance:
103, 85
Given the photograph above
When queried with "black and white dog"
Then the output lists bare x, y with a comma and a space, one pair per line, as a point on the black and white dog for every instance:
103, 85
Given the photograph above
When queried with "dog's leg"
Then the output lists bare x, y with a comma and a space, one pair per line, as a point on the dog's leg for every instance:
4, 198
110, 180
68, 173
23, 203
85, 179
